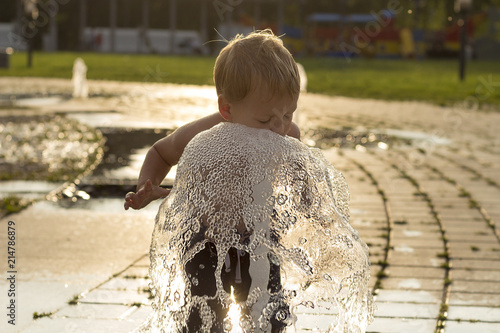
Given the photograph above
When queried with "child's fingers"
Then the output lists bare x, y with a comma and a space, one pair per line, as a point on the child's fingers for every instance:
129, 200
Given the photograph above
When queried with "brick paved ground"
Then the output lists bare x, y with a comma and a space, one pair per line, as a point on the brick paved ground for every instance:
429, 211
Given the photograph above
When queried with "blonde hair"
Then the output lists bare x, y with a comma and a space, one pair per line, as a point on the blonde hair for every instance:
257, 60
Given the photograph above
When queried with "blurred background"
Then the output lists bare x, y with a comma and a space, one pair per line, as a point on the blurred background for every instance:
395, 49
381, 29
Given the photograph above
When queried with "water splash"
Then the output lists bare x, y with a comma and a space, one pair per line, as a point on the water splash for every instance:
267, 216
47, 147
79, 79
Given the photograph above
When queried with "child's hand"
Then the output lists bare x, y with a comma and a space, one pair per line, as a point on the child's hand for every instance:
144, 195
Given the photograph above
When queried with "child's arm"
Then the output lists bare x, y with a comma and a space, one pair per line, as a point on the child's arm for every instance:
160, 158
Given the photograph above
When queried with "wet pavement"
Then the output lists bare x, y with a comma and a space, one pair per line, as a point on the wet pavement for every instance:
425, 196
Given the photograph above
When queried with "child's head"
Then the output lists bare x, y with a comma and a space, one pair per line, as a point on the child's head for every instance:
256, 64
248, 62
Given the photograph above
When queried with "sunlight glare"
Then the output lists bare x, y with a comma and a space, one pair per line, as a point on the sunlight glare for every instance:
234, 314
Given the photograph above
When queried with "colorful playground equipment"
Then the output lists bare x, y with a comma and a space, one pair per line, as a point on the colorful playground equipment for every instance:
379, 35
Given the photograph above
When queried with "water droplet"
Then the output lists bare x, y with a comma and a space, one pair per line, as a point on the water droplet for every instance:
281, 315
228, 325
309, 304
282, 199
273, 259
302, 240
195, 282
327, 277
201, 266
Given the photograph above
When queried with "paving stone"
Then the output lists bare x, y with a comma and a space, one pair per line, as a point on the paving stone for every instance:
375, 240
104, 296
417, 253
412, 283
425, 231
475, 240
120, 283
409, 296
468, 327
481, 313
399, 325
376, 249
78, 325
476, 286
143, 261
136, 271
436, 245
397, 216
476, 275
467, 214
463, 229
374, 259
93, 311
418, 272
481, 235
474, 298
365, 196
366, 208
407, 310
471, 254
310, 322
367, 229
476, 264
413, 254
401, 259
140, 314
476, 220
416, 203
413, 212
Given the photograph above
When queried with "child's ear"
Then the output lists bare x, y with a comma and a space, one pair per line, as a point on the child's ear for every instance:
224, 108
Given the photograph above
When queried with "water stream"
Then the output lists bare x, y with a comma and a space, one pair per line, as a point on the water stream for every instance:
256, 226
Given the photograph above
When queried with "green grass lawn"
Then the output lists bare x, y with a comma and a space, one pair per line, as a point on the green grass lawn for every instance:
435, 81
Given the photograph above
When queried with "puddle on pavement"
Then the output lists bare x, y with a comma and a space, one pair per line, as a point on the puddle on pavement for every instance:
30, 190
414, 136
124, 153
361, 139
29, 100
117, 120
105, 204
37, 99
346, 137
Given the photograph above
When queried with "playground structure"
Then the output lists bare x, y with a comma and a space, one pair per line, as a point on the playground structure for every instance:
378, 35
